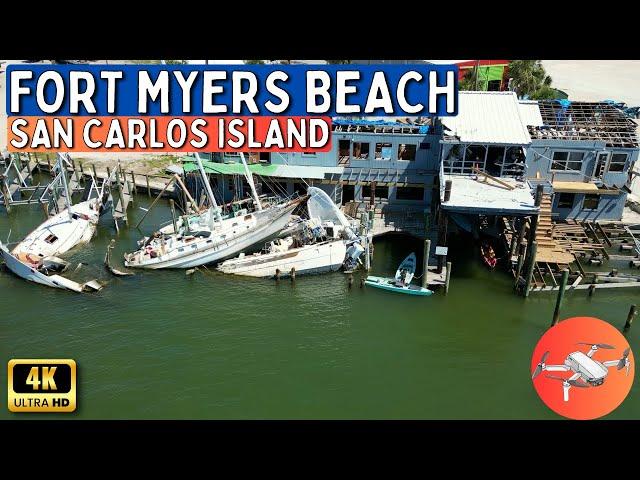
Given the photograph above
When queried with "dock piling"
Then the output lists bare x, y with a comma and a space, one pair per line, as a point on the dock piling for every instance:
447, 278
293, 274
425, 262
530, 267
277, 274
563, 286
632, 313
350, 280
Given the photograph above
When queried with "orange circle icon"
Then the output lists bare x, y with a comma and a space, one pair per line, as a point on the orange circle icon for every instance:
582, 368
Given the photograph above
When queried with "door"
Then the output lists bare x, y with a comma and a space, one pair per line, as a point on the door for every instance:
602, 159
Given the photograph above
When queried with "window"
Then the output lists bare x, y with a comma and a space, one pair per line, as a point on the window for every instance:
425, 146
381, 192
348, 193
343, 152
591, 202
51, 238
618, 161
406, 152
410, 193
383, 151
565, 200
564, 161
265, 157
360, 151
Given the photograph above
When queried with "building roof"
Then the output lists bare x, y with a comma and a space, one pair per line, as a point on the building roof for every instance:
487, 118
600, 121
468, 195
530, 113
282, 171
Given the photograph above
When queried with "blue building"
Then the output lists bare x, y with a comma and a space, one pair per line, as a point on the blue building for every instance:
390, 167
583, 153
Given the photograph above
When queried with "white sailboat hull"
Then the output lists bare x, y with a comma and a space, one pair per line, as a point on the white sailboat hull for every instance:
69, 232
204, 251
316, 258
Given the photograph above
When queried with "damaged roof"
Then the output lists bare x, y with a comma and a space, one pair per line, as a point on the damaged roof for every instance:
487, 118
600, 121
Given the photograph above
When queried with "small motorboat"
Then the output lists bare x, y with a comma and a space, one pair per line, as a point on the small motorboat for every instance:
402, 281
488, 256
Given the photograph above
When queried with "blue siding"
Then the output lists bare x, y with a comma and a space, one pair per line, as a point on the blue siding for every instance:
610, 207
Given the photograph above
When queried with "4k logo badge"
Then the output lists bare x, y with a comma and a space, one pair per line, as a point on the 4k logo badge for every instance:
42, 385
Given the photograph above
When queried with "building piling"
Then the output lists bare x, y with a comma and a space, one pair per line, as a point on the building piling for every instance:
563, 286
632, 313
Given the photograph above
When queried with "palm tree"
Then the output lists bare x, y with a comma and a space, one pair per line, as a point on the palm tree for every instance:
468, 82
529, 78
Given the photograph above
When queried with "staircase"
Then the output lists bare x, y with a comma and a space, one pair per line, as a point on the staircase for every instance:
549, 250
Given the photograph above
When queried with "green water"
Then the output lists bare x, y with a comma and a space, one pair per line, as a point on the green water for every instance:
163, 345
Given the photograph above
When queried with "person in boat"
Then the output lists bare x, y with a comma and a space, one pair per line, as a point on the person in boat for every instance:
403, 278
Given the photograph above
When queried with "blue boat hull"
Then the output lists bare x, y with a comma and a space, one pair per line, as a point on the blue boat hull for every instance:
389, 285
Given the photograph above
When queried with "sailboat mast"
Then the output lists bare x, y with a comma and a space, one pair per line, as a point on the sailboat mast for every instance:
207, 186
63, 175
247, 174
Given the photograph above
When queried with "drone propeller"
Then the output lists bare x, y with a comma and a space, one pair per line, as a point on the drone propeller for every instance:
606, 346
540, 365
624, 361
573, 383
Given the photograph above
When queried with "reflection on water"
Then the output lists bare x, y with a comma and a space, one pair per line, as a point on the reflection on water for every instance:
166, 345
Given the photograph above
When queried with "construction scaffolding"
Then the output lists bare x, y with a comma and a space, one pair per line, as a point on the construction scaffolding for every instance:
585, 121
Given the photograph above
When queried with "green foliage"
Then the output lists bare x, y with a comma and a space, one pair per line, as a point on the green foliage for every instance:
468, 82
530, 78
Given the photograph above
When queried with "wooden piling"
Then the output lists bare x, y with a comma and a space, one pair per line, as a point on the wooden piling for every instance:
277, 274
133, 180
425, 262
148, 186
447, 278
49, 163
563, 286
592, 288
521, 256
350, 280
95, 174
362, 282
293, 274
530, 267
632, 313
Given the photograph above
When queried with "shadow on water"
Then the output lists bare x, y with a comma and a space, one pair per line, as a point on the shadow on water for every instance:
166, 345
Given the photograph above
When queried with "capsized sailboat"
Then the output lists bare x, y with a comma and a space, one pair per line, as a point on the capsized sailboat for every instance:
401, 283
35, 258
319, 245
209, 237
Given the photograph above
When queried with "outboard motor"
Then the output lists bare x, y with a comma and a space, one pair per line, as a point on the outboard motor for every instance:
354, 252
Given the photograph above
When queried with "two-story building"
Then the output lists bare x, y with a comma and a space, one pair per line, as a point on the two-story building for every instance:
583, 153
390, 166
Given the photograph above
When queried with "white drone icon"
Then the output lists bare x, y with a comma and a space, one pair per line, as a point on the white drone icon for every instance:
584, 368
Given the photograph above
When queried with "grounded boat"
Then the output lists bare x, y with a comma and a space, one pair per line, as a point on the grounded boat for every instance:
35, 257
284, 254
401, 283
318, 245
209, 237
